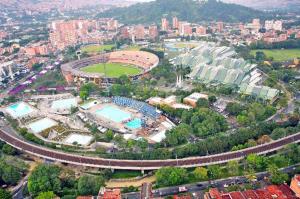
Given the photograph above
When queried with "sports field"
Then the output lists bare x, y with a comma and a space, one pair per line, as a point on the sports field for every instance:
280, 55
96, 48
113, 70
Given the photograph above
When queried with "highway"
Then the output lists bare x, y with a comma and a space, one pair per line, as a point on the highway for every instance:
51, 154
200, 187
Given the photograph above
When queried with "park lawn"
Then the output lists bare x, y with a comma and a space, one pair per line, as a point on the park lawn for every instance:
113, 70
124, 174
280, 54
133, 48
96, 48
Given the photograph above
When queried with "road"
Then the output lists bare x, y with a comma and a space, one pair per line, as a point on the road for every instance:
201, 186
8, 135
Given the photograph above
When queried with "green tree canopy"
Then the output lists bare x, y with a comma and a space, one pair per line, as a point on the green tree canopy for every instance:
171, 176
90, 185
5, 194
200, 173
44, 178
46, 195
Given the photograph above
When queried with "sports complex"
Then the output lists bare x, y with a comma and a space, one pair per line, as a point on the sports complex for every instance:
105, 68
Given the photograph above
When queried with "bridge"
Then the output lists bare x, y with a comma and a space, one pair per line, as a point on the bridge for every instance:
143, 165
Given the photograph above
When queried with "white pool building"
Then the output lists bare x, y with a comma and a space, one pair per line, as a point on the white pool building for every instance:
83, 140
41, 125
64, 104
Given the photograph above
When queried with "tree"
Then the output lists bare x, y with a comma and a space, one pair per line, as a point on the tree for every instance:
234, 108
178, 135
260, 56
278, 133
90, 185
5, 194
277, 177
200, 173
44, 178
10, 175
109, 135
214, 172
171, 176
202, 102
9, 150
212, 99
46, 195
233, 168
256, 162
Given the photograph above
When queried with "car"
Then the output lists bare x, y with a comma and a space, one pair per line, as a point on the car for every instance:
199, 185
182, 189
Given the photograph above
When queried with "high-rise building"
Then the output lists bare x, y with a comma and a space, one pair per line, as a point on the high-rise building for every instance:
112, 25
164, 24
185, 29
278, 25
269, 24
220, 26
124, 33
200, 30
139, 32
175, 23
153, 32
256, 24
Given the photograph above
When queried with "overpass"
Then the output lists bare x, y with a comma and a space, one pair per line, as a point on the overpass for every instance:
142, 165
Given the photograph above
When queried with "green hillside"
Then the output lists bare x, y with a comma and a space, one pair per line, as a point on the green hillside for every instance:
190, 10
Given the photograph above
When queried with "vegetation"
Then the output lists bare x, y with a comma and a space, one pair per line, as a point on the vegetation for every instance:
5, 194
248, 167
90, 185
11, 170
97, 48
44, 178
50, 79
279, 54
113, 70
289, 44
171, 176
189, 10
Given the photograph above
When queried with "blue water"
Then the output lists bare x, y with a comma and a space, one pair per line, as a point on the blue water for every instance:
113, 114
134, 124
19, 110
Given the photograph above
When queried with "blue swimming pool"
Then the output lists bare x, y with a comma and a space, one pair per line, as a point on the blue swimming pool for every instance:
134, 124
113, 114
19, 110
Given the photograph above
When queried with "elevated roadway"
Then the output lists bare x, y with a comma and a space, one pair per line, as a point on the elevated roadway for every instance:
88, 161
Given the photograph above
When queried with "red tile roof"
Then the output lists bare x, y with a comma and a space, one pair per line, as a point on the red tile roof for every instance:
237, 195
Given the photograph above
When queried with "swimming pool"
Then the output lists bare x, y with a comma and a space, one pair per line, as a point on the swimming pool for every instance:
134, 124
19, 110
41, 125
113, 114
64, 104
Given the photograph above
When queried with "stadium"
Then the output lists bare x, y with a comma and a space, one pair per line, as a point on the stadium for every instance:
106, 68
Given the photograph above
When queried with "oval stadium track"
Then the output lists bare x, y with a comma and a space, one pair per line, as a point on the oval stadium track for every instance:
50, 154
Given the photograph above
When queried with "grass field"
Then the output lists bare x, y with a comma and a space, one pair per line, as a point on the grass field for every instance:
280, 55
133, 48
113, 70
96, 48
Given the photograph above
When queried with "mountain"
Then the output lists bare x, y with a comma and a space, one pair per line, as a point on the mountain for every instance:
59, 4
267, 4
190, 10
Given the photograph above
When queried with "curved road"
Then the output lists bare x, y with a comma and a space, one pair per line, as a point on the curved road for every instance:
50, 154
